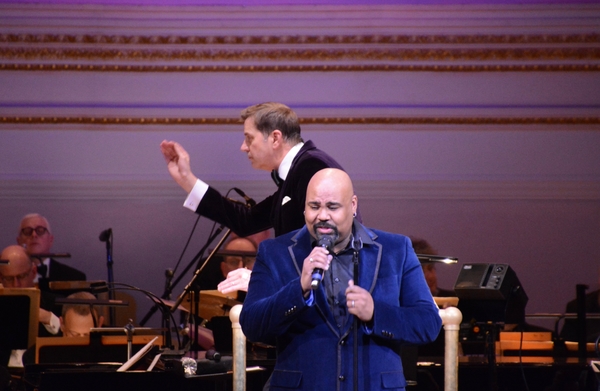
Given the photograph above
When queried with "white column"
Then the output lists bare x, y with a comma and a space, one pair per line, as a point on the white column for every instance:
451, 318
239, 349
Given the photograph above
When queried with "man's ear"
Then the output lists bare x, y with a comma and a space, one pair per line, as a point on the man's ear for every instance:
277, 138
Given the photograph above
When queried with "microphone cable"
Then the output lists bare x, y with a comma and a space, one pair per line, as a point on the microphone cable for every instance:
157, 300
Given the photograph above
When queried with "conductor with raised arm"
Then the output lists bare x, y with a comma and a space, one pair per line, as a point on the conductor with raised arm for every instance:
273, 143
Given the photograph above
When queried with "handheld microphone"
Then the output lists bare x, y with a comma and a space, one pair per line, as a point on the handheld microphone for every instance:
105, 235
317, 274
249, 201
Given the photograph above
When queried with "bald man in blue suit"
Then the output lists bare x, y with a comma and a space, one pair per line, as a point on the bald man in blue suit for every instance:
313, 328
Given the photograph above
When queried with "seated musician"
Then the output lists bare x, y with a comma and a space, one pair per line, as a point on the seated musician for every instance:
78, 319
421, 246
237, 278
227, 265
21, 273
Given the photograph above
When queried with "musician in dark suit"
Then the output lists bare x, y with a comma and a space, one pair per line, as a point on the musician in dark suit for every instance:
20, 273
273, 143
36, 237
313, 327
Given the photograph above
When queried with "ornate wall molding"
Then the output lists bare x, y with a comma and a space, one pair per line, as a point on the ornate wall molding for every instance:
29, 52
302, 68
286, 40
307, 121
300, 39
66, 190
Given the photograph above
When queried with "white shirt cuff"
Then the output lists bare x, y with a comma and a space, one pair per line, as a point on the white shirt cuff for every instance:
193, 199
54, 326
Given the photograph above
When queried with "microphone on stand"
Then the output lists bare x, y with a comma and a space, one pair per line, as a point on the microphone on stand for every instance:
317, 274
249, 201
105, 235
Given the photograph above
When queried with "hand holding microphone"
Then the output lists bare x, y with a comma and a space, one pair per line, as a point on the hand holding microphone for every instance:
316, 263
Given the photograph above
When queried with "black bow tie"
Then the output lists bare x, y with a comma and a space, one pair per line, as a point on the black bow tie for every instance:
276, 178
42, 270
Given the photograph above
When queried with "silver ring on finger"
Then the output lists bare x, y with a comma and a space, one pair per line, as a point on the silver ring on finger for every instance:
352, 303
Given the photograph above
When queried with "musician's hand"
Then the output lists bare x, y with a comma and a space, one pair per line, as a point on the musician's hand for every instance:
237, 280
178, 164
359, 302
44, 316
319, 258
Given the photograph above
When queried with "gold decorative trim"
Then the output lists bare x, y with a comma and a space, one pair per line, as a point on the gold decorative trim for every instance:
298, 39
303, 68
310, 121
320, 55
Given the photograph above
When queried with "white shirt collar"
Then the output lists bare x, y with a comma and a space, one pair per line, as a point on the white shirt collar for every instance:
286, 163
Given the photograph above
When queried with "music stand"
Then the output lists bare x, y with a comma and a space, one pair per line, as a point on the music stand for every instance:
21, 305
98, 347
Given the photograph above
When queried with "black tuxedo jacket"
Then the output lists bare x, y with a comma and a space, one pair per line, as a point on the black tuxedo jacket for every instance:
60, 272
282, 211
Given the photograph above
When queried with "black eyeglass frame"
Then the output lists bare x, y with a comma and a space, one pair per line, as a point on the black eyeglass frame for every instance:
39, 230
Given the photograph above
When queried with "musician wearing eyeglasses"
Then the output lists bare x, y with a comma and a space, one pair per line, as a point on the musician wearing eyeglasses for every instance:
36, 237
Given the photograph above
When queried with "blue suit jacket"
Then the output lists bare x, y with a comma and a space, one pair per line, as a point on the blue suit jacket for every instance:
271, 212
312, 353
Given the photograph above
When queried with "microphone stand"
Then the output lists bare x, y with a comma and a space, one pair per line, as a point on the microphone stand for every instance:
111, 279
356, 247
170, 285
355, 325
187, 290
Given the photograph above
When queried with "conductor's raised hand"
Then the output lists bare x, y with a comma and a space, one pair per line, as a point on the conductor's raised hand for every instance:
178, 164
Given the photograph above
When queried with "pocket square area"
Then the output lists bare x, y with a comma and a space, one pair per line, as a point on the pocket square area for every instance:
285, 200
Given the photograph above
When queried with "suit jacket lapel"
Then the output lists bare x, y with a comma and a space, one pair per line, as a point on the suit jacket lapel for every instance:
369, 261
299, 250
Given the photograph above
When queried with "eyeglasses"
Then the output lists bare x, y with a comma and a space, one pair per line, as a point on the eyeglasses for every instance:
39, 230
11, 280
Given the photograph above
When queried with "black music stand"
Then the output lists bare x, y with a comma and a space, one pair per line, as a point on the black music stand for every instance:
21, 305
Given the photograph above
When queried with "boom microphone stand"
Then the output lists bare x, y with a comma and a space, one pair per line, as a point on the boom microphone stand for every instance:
170, 285
188, 289
106, 236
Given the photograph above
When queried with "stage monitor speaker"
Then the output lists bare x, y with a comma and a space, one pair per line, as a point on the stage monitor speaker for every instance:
490, 293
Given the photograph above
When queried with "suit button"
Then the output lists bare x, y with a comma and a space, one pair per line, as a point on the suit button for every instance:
343, 342
341, 378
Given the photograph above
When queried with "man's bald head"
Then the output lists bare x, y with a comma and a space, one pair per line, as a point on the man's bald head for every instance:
20, 272
330, 206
